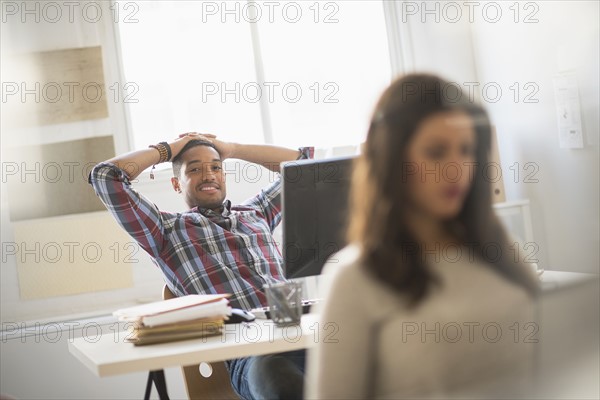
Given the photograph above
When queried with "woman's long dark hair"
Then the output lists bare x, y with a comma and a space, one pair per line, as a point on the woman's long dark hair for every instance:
379, 191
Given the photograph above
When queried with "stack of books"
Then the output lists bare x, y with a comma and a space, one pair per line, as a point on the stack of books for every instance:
185, 317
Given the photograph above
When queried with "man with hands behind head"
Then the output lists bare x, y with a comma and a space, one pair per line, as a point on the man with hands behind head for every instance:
214, 246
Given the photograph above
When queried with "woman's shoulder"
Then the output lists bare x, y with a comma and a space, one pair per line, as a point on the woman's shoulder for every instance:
347, 257
344, 266
345, 275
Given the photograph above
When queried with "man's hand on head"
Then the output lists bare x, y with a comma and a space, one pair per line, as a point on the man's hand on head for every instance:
225, 149
269, 156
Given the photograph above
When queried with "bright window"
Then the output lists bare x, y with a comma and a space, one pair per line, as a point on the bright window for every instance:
291, 73
178, 62
337, 55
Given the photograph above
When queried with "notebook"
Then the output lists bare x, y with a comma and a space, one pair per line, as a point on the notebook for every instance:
178, 309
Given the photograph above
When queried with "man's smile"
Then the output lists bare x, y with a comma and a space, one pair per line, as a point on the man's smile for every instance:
208, 188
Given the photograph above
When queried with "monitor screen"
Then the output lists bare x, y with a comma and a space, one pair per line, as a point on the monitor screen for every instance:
315, 206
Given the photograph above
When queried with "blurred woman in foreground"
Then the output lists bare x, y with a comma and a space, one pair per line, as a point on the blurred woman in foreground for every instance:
430, 299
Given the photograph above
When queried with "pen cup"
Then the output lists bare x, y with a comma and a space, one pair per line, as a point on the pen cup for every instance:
285, 302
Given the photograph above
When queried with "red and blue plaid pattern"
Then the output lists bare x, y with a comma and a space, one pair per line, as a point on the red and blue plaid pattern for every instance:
200, 251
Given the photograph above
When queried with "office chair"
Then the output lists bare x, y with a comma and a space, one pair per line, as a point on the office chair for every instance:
215, 386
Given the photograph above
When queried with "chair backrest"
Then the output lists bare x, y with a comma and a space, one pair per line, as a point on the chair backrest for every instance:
167, 294
215, 386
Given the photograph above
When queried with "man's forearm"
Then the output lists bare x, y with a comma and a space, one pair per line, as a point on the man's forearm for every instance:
266, 155
269, 156
135, 162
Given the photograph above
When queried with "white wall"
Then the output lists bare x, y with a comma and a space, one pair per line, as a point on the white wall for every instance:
37, 30
41, 366
565, 200
564, 203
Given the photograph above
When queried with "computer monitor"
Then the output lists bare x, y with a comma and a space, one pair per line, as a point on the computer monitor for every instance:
315, 208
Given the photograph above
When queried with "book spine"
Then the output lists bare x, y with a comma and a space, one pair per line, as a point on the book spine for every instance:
219, 308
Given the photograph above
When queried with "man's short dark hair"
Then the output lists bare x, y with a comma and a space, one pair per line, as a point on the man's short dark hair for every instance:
177, 160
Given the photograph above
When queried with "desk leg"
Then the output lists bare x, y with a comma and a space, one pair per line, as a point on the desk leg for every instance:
158, 377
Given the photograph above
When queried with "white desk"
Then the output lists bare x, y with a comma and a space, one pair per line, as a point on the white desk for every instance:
560, 279
568, 350
111, 355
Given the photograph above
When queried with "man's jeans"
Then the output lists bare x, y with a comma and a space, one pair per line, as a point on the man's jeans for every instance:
272, 376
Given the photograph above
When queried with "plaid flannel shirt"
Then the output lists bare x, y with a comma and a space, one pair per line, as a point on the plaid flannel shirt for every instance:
200, 251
